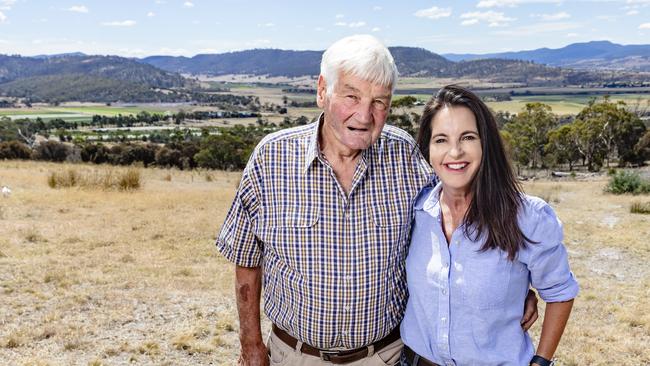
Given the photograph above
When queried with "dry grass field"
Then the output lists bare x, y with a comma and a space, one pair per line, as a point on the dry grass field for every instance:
106, 277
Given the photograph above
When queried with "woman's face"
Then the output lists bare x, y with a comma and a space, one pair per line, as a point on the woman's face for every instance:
455, 147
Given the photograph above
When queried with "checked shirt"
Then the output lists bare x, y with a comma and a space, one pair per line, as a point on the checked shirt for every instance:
333, 263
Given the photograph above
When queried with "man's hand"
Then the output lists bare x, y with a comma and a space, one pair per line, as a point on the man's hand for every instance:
530, 310
254, 355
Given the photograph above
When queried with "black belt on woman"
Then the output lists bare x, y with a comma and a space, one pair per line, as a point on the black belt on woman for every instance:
336, 357
420, 361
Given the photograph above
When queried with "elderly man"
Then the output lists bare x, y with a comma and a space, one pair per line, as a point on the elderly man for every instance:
322, 218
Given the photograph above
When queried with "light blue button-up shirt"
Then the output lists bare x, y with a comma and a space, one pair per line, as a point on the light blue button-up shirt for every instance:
465, 306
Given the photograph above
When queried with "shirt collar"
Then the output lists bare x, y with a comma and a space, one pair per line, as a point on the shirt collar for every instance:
313, 149
429, 200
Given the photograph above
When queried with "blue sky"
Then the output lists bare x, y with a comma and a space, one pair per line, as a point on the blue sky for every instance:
140, 28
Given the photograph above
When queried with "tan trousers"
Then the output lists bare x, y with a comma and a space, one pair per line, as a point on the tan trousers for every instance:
283, 355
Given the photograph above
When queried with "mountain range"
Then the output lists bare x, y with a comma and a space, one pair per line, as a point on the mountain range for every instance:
76, 76
588, 55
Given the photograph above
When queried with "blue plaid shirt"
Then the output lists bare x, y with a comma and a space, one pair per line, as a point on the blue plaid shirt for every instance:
333, 263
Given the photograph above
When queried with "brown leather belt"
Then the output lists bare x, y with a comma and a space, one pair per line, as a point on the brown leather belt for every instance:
421, 361
336, 357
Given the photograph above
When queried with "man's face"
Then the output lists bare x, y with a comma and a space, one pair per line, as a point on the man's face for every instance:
355, 113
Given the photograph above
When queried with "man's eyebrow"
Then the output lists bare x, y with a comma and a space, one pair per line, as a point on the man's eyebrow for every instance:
350, 87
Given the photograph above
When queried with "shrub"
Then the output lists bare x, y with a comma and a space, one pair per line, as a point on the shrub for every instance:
14, 150
627, 182
51, 151
640, 208
126, 180
67, 179
129, 180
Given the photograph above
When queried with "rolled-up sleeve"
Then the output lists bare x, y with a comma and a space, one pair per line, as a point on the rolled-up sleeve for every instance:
546, 258
237, 240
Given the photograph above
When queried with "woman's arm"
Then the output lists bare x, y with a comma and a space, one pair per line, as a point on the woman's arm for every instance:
555, 318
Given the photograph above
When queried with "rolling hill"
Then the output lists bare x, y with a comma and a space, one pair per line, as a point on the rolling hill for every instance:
85, 78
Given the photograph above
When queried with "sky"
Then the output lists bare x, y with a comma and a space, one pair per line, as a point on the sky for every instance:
139, 28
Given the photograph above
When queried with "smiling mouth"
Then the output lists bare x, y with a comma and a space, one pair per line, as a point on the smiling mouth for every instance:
357, 129
456, 166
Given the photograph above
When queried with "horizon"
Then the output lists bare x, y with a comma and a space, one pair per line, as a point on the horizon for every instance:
294, 50
191, 27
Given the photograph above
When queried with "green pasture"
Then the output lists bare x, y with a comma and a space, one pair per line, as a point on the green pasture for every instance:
560, 104
70, 113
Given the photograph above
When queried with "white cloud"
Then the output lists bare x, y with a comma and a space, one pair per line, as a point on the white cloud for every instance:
433, 13
513, 3
2, 17
123, 23
376, 29
151, 14
377, 8
632, 12
267, 25
552, 17
572, 35
6, 4
493, 18
469, 21
339, 16
351, 25
78, 9
644, 26
188, 4
319, 29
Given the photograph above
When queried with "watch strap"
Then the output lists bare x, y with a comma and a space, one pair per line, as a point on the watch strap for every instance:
541, 361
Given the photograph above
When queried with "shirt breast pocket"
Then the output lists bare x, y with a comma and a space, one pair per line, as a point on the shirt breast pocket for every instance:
387, 215
486, 279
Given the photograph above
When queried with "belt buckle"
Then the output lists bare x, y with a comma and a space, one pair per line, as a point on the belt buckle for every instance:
326, 355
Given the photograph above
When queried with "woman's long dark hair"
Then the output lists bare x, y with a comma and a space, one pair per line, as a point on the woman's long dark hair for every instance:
496, 193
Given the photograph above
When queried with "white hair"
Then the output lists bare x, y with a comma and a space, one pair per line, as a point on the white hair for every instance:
362, 56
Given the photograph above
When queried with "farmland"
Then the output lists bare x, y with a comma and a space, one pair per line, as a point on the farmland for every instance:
103, 277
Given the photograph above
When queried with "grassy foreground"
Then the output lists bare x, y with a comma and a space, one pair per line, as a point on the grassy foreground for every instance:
90, 276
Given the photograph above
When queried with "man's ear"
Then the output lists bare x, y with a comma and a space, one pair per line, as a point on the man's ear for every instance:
321, 91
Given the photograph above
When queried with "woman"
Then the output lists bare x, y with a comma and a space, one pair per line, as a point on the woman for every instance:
477, 245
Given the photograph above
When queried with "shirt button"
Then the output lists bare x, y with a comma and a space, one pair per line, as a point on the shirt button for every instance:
346, 308
443, 319
444, 291
445, 266
348, 278
344, 333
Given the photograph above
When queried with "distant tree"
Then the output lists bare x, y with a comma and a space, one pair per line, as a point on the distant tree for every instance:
14, 150
642, 148
51, 151
561, 147
617, 129
529, 132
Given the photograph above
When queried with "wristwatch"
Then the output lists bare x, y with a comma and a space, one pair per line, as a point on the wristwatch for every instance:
541, 361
